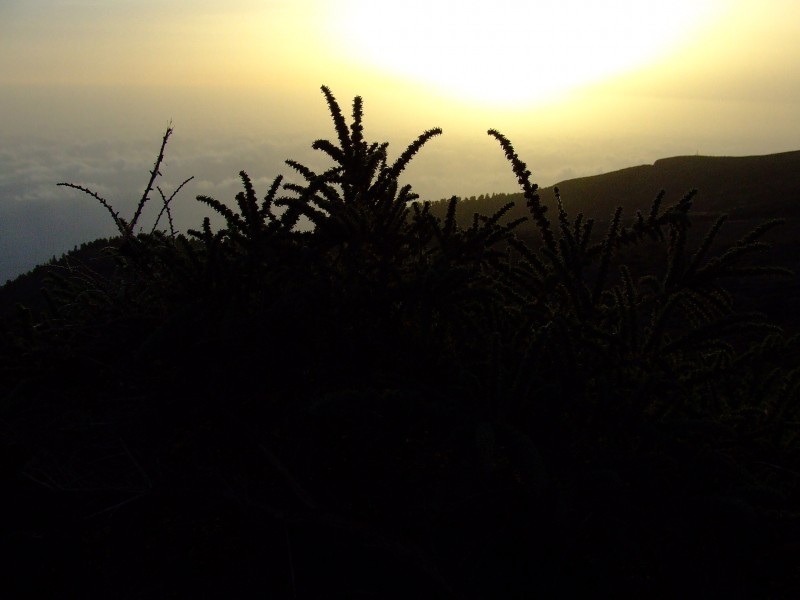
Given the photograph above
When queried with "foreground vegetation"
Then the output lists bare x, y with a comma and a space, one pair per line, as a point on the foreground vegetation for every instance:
390, 404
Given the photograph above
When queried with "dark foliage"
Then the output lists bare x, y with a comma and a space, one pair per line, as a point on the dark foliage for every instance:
390, 404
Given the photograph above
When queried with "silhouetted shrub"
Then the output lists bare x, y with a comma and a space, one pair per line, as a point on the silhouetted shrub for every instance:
461, 412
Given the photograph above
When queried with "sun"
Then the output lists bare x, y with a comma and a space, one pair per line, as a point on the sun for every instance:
510, 51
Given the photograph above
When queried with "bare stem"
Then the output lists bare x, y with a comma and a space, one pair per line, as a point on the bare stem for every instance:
153, 174
103, 201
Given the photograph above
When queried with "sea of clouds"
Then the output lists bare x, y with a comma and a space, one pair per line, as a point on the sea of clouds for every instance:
39, 220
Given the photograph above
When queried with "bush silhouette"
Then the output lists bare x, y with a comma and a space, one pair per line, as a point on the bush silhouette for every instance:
394, 404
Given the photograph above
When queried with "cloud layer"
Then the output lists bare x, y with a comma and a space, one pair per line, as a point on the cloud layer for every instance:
39, 220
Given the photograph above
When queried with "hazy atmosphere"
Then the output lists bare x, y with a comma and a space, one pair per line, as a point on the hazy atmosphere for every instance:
275, 374
87, 89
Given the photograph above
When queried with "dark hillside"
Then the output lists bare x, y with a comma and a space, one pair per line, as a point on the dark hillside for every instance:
90, 257
742, 187
749, 189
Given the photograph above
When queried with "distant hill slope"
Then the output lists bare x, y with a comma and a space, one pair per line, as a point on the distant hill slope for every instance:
750, 190
742, 187
26, 288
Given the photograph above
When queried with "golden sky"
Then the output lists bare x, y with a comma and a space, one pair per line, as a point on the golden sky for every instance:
579, 86
466, 60
504, 56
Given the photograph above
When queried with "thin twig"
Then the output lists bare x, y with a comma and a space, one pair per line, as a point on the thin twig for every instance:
136, 463
153, 174
166, 209
103, 201
116, 506
291, 559
295, 485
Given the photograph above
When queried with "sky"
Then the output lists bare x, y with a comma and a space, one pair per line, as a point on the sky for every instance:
581, 87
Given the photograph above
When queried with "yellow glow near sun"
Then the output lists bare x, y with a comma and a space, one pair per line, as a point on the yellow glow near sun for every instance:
515, 52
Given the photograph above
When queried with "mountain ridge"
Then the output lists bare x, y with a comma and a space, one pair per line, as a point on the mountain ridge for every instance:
743, 187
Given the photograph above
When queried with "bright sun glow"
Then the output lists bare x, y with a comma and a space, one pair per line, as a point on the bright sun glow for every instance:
516, 52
